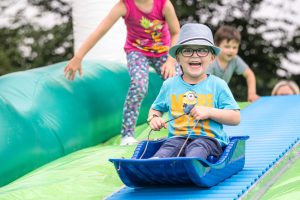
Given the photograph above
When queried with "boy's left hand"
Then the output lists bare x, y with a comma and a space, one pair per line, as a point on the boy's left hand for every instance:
200, 112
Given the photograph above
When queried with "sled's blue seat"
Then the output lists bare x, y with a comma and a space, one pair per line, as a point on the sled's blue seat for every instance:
144, 172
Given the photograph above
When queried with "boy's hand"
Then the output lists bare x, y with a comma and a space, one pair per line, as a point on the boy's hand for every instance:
72, 67
157, 123
201, 112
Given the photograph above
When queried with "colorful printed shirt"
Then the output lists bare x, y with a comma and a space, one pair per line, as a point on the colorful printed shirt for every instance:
176, 95
147, 32
236, 65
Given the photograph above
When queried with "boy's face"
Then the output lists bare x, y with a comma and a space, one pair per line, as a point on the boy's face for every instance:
229, 49
194, 60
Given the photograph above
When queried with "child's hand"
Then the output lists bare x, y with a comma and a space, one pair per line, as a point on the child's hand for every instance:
72, 67
252, 97
168, 69
201, 112
157, 123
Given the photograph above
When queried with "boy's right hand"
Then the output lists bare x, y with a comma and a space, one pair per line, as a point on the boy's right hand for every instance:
157, 123
72, 67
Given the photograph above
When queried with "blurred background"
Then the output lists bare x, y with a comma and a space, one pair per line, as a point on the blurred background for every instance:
35, 33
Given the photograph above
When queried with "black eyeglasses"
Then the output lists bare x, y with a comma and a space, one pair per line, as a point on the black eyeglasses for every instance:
188, 52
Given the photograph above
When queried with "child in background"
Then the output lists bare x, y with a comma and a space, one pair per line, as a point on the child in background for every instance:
152, 27
198, 132
227, 62
285, 87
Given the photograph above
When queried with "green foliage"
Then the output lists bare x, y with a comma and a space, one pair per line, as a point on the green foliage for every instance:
9, 54
61, 7
26, 44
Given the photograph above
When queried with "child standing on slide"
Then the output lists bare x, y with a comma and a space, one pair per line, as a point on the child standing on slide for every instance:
152, 27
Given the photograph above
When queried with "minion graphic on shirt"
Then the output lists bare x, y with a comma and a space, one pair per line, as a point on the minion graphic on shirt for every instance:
190, 99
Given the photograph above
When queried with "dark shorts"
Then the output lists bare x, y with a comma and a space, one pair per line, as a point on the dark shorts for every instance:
195, 147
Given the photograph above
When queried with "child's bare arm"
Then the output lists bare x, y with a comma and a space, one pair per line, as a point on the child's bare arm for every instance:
172, 21
168, 69
74, 64
115, 13
251, 83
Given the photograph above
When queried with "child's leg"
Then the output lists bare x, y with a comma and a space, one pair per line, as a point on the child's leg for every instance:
156, 63
203, 147
170, 148
138, 67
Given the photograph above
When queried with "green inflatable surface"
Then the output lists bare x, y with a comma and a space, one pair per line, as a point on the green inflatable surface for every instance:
43, 116
83, 175
287, 186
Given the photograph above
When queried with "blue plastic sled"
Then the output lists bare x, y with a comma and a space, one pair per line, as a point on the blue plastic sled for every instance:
136, 172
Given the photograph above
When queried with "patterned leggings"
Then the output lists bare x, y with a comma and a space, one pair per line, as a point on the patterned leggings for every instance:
138, 67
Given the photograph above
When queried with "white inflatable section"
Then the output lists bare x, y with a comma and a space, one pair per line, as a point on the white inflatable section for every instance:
87, 15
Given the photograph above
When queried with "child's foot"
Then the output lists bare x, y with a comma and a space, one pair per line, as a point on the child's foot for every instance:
128, 140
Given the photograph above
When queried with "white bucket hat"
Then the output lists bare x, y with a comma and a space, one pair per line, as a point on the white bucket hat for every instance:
194, 34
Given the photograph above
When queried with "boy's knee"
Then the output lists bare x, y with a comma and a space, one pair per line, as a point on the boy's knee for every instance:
170, 148
198, 148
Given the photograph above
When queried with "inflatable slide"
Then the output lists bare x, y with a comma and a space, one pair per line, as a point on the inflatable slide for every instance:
57, 136
43, 116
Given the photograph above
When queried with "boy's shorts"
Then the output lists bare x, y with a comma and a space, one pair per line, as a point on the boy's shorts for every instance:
201, 147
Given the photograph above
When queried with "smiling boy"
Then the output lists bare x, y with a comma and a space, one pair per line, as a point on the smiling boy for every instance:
199, 130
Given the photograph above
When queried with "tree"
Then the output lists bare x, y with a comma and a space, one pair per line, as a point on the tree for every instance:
26, 43
264, 55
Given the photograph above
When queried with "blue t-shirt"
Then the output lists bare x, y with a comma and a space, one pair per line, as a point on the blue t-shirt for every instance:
236, 65
176, 96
